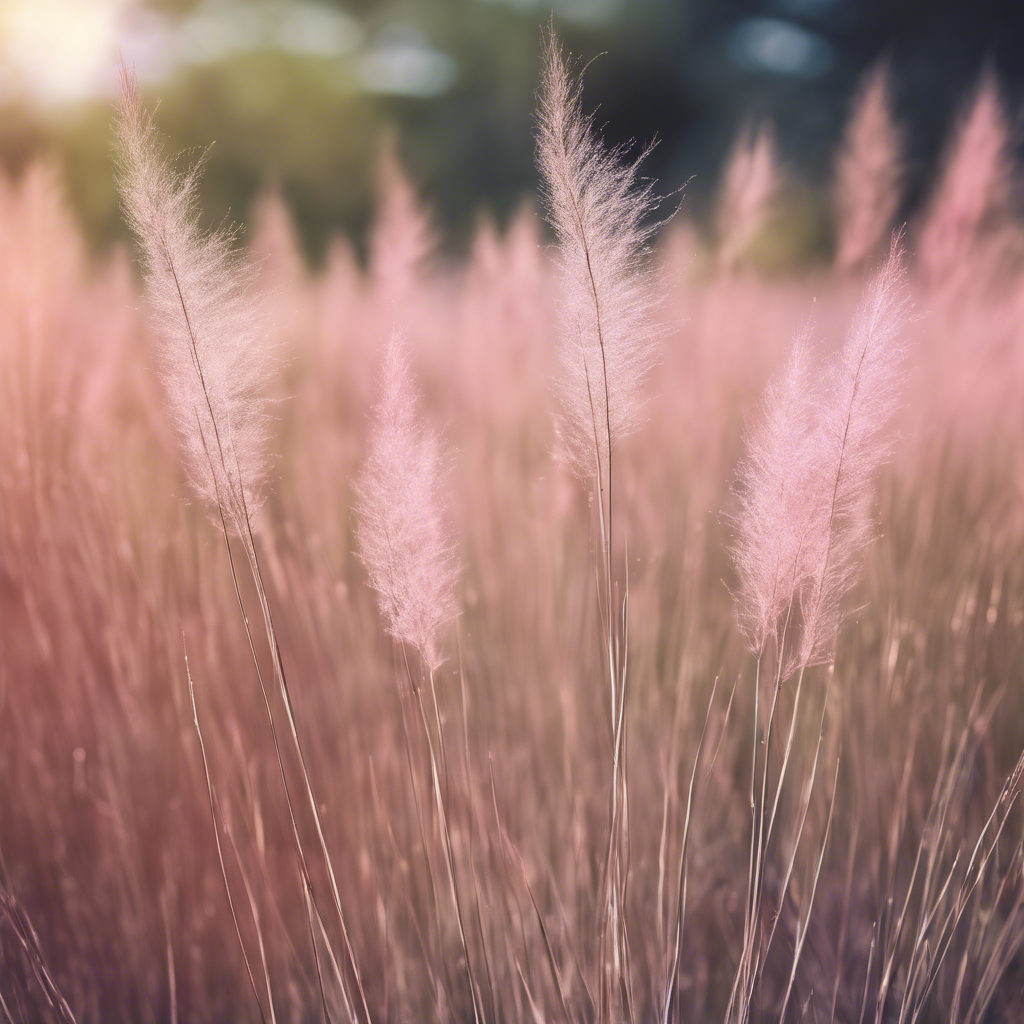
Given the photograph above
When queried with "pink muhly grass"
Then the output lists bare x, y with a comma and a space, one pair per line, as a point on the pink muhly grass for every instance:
598, 207
216, 366
862, 392
213, 358
771, 489
869, 173
805, 515
402, 237
401, 518
750, 187
273, 241
973, 193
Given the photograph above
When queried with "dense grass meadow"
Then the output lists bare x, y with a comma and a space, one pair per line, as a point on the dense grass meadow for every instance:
611, 625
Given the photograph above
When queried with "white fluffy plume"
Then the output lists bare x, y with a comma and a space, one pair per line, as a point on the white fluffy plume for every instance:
807, 480
213, 356
401, 518
773, 481
598, 207
864, 386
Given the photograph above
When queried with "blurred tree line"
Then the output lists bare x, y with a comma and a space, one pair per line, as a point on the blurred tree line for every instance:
688, 72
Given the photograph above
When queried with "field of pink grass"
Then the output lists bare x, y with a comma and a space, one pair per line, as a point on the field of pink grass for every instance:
599, 628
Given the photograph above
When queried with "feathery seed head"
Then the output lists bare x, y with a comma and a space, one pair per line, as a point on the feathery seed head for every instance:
402, 236
213, 357
862, 391
869, 173
805, 502
598, 207
401, 519
973, 193
772, 487
749, 190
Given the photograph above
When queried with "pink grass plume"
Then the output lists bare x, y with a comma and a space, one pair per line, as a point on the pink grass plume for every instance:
402, 531
213, 357
807, 480
972, 198
598, 207
772, 485
750, 190
863, 387
869, 173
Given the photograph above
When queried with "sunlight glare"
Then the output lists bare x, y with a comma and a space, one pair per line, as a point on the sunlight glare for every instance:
57, 51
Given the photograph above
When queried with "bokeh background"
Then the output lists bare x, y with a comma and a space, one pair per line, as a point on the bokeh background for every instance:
302, 93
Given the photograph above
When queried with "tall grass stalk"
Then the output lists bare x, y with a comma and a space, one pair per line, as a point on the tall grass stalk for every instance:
405, 544
804, 522
600, 210
220, 853
201, 292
